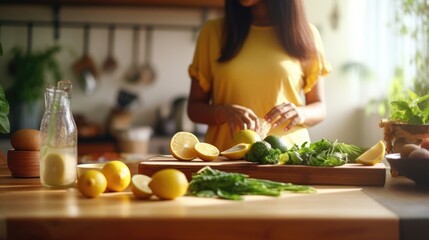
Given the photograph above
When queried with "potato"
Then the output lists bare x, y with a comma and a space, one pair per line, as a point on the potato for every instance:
407, 149
26, 140
420, 153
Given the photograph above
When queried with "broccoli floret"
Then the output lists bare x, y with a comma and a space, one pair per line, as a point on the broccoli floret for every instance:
262, 153
272, 157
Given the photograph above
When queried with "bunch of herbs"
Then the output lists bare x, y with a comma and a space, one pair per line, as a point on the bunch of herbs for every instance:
323, 153
412, 110
211, 183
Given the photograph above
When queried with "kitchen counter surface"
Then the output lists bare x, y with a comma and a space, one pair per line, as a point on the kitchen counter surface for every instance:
398, 210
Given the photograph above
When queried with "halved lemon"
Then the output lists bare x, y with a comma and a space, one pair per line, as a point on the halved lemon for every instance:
373, 155
237, 151
140, 186
182, 146
206, 151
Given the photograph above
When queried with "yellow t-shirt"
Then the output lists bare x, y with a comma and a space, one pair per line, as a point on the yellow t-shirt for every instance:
260, 77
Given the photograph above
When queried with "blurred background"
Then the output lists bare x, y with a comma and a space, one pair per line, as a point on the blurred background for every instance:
128, 63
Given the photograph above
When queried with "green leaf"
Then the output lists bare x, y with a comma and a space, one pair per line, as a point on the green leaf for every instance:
4, 111
4, 123
1, 50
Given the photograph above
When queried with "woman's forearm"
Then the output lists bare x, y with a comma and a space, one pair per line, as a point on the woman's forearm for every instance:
202, 112
313, 113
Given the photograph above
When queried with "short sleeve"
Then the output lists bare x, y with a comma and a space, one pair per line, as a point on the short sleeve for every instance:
206, 52
318, 66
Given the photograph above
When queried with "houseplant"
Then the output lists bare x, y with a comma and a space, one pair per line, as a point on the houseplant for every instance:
31, 72
408, 107
4, 107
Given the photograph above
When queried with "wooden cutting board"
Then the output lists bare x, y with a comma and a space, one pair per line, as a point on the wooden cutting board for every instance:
348, 174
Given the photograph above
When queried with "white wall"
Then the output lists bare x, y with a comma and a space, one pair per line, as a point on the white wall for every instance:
172, 53
345, 93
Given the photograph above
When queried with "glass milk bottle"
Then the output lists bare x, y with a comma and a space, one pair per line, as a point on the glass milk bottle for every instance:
58, 131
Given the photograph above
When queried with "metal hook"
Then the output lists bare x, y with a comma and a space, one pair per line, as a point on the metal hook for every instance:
56, 21
29, 36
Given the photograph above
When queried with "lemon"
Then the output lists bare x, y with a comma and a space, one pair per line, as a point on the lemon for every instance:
182, 146
206, 151
54, 172
140, 186
92, 183
118, 175
237, 151
169, 184
373, 155
245, 136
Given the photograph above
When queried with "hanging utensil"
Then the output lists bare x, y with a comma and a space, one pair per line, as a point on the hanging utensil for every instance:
85, 68
147, 71
110, 64
1, 47
133, 73
29, 37
125, 99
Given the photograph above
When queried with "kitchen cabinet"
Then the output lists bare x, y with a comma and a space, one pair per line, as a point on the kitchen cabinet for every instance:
142, 3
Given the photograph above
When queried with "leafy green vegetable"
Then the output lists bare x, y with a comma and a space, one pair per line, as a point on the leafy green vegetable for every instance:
324, 153
209, 182
4, 111
411, 110
262, 153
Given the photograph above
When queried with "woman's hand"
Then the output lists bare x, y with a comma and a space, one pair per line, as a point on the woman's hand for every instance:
285, 112
237, 117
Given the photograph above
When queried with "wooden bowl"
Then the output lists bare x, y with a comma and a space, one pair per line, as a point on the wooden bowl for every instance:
23, 163
416, 169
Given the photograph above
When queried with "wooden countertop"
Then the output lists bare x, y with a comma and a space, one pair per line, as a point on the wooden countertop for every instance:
29, 211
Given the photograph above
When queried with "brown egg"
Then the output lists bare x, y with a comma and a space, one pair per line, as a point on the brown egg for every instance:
407, 149
425, 143
26, 140
420, 153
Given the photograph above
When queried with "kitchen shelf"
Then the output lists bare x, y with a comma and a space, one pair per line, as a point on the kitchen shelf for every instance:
142, 3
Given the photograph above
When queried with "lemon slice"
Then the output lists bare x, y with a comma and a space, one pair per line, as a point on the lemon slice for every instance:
140, 186
54, 173
237, 152
182, 146
206, 151
373, 155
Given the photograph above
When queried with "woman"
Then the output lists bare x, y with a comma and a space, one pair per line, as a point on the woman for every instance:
258, 62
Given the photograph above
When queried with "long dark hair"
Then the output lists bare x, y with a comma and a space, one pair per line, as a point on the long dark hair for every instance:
288, 17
